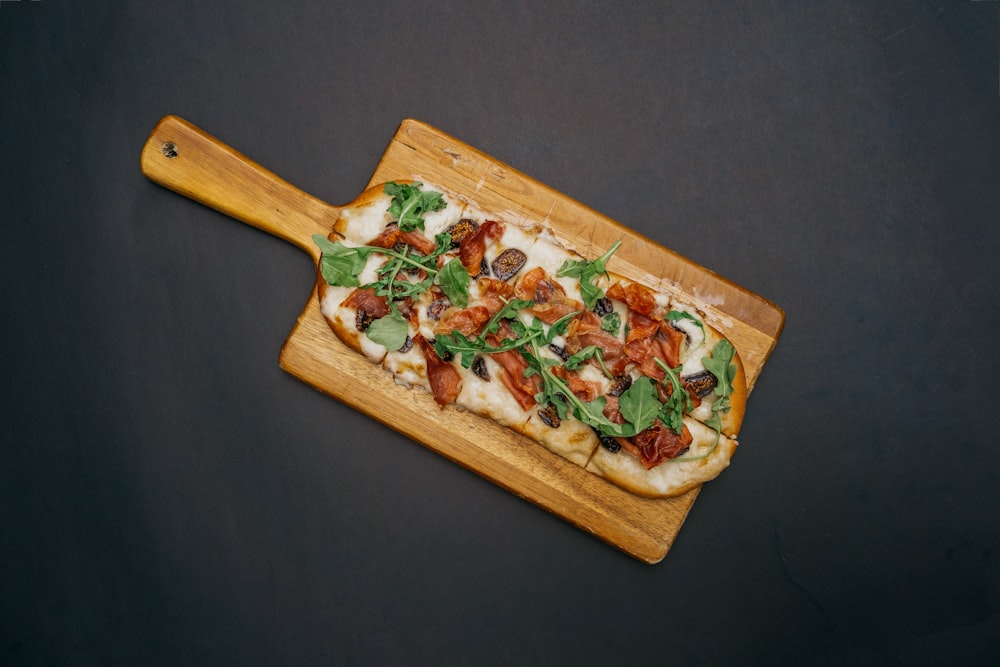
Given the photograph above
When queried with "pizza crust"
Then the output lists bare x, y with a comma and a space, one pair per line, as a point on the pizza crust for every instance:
672, 478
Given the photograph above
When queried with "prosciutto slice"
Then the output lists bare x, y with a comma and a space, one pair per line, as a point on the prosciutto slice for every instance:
392, 235
445, 381
638, 298
513, 365
466, 321
657, 444
472, 247
374, 305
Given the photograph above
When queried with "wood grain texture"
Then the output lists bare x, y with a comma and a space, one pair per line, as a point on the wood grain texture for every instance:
183, 158
644, 528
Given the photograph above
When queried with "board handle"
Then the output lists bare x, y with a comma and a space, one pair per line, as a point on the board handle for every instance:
183, 158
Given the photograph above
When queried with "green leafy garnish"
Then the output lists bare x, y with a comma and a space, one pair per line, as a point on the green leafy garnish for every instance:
612, 323
466, 347
394, 282
556, 392
390, 331
639, 404
509, 311
453, 280
409, 204
720, 365
590, 352
586, 271
679, 403
340, 264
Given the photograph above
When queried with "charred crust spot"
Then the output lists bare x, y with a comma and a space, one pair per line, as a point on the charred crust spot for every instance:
550, 416
508, 263
701, 384
479, 368
619, 385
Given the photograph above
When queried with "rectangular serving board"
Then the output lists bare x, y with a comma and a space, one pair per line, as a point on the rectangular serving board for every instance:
641, 527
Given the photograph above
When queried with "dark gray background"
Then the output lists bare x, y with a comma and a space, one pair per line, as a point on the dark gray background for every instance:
170, 496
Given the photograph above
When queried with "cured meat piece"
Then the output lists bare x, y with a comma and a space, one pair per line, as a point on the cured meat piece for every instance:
472, 247
445, 381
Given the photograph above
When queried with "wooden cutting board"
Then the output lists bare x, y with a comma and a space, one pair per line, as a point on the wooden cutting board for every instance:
183, 158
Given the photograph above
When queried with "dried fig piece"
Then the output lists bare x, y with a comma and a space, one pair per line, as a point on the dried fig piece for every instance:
508, 263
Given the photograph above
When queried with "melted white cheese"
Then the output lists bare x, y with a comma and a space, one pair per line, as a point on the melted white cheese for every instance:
551, 256
694, 348
365, 223
489, 398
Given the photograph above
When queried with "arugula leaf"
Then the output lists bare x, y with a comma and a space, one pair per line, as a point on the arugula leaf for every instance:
639, 404
557, 328
325, 244
720, 365
679, 403
508, 311
409, 204
454, 281
390, 331
590, 352
612, 323
340, 264
459, 345
715, 422
466, 348
557, 393
586, 271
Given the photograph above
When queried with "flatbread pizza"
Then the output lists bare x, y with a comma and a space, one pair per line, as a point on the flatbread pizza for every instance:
503, 321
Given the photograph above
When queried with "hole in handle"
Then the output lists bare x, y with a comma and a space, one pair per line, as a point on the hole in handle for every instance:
169, 149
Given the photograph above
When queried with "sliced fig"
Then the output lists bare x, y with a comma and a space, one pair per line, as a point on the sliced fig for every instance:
508, 263
702, 384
